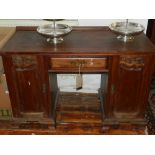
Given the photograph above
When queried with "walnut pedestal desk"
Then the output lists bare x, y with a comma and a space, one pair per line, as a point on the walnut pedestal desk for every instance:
31, 67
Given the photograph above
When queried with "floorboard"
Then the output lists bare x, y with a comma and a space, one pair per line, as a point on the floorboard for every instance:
76, 114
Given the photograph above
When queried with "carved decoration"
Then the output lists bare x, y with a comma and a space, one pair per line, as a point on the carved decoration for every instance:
24, 61
78, 63
132, 63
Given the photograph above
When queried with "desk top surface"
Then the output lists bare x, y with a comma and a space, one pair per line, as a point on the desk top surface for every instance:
82, 40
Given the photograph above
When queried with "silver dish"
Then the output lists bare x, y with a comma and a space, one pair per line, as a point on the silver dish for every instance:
54, 32
126, 30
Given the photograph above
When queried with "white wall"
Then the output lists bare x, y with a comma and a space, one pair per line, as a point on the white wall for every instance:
107, 22
72, 22
33, 22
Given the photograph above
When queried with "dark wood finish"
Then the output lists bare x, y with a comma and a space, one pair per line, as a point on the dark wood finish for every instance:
89, 40
10, 128
79, 64
130, 90
79, 108
29, 87
126, 70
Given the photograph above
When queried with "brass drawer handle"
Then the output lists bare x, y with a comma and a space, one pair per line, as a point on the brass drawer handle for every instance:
78, 63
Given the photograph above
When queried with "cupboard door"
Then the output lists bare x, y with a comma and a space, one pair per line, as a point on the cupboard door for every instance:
26, 85
130, 87
29, 88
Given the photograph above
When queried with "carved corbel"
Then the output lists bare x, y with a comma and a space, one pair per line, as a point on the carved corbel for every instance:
24, 61
132, 63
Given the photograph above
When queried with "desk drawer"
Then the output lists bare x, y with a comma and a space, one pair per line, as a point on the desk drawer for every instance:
85, 64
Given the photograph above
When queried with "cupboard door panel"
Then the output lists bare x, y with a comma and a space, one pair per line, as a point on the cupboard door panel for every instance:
29, 83
127, 99
29, 90
129, 87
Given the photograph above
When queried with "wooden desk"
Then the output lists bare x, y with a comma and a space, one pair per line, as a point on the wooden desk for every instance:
126, 70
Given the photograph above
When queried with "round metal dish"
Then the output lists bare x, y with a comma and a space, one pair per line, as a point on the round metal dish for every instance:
54, 32
126, 30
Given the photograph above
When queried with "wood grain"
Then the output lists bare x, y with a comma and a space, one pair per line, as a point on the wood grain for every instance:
126, 70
